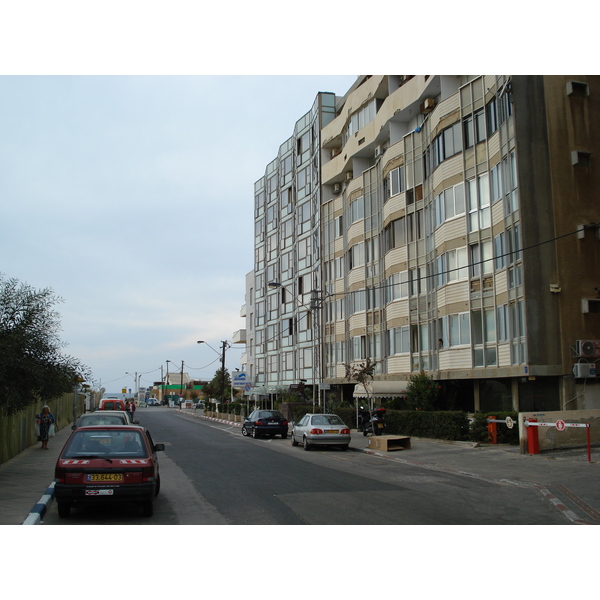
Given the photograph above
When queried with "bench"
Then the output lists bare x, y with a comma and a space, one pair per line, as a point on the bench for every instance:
389, 442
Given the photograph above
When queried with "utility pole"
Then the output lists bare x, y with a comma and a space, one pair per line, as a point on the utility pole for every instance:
181, 384
224, 347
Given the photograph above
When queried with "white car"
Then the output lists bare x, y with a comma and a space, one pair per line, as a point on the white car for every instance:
321, 430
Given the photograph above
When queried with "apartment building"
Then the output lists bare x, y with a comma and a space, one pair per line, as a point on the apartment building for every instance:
439, 223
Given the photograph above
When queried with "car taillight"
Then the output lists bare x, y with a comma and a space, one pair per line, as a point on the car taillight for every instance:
59, 475
260, 422
285, 423
316, 431
147, 473
345, 431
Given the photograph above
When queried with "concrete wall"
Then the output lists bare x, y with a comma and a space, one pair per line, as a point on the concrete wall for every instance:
572, 437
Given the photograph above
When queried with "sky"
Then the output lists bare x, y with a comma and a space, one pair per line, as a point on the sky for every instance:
132, 198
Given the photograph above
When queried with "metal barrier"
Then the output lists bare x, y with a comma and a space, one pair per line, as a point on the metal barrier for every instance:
533, 446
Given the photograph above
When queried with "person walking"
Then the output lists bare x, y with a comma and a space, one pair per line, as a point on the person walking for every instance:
45, 425
131, 409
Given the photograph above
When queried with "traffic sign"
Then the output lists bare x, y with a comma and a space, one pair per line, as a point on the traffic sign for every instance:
560, 425
509, 422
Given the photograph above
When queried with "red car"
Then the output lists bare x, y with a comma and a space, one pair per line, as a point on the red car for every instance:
107, 463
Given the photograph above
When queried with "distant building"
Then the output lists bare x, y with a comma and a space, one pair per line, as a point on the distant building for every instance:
441, 223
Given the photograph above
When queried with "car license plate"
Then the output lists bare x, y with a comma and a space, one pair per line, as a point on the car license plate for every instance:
105, 477
273, 423
380, 425
332, 431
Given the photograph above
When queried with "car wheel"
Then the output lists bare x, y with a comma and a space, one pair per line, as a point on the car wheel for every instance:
64, 509
305, 444
157, 485
294, 442
284, 436
147, 508
254, 433
244, 431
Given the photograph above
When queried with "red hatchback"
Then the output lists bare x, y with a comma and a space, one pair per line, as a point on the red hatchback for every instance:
109, 463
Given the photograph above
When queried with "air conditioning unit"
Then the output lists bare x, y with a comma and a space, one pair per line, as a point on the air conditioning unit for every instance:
584, 370
337, 188
428, 105
378, 151
588, 348
349, 176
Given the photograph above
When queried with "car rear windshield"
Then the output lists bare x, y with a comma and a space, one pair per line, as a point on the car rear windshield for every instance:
271, 414
327, 420
113, 443
101, 420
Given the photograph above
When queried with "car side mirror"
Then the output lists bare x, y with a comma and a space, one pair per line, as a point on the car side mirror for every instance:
159, 447
136, 422
73, 427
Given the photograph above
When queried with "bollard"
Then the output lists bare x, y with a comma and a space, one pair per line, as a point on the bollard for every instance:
492, 431
533, 441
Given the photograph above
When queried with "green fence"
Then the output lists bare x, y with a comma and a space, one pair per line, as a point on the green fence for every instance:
17, 431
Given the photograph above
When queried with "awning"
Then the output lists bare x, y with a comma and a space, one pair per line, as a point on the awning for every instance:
381, 389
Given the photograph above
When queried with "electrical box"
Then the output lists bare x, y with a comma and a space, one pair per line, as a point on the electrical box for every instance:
584, 370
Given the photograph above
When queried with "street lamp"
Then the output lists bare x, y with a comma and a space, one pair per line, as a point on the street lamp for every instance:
316, 302
136, 382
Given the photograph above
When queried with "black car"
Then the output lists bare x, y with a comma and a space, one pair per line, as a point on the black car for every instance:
265, 422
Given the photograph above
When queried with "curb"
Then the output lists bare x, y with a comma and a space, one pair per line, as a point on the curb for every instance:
39, 510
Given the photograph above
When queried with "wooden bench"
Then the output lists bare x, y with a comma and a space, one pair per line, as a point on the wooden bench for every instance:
389, 442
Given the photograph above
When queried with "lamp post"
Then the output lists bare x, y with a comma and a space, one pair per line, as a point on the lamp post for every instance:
316, 303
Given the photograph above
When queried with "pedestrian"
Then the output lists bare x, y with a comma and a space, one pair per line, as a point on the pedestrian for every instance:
45, 426
131, 409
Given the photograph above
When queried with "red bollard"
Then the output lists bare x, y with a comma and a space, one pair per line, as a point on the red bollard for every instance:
492, 431
533, 441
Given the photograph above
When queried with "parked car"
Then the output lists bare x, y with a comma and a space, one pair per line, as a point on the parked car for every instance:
321, 430
265, 422
111, 404
104, 417
153, 402
110, 463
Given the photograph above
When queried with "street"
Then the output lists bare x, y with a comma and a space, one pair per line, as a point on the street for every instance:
211, 475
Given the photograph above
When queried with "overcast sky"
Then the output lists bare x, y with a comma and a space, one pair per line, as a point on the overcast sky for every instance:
132, 198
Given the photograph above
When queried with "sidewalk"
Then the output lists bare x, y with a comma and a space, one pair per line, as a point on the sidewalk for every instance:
564, 478
26, 482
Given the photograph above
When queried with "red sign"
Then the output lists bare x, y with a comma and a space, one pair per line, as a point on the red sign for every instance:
560, 425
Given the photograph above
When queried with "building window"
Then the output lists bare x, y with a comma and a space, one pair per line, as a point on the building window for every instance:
446, 144
449, 204
357, 209
396, 287
452, 266
478, 201
399, 340
491, 111
481, 258
396, 181
499, 251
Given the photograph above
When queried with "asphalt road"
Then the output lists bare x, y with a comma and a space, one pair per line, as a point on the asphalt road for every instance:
211, 475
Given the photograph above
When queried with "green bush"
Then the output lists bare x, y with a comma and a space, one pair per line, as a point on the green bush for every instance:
446, 425
479, 428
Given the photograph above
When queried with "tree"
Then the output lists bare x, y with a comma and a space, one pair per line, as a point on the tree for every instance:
32, 366
422, 392
214, 387
362, 373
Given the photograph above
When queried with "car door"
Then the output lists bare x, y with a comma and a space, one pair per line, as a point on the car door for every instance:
299, 428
